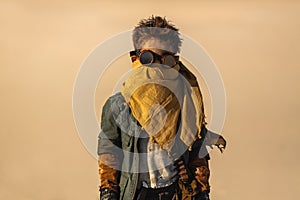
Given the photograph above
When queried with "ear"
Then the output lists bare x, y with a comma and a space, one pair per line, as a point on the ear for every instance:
133, 58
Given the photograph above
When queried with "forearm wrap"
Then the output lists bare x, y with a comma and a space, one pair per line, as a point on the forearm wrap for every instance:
201, 172
108, 173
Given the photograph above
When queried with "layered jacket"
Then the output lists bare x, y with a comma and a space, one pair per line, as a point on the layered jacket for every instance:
118, 148
118, 151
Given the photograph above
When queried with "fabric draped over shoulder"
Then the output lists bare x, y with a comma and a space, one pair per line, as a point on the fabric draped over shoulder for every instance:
166, 103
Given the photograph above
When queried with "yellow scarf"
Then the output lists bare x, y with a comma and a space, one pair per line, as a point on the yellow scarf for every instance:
164, 103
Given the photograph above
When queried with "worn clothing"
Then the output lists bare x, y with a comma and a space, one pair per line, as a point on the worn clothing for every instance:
119, 144
158, 167
159, 97
118, 137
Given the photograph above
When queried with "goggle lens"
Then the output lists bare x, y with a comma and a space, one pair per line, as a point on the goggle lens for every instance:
146, 58
169, 60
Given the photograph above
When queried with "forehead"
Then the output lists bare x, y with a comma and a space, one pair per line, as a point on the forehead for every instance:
156, 45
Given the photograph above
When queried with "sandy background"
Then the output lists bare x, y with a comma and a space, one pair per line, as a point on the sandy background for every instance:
255, 45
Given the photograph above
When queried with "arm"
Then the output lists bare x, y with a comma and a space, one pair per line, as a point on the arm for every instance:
198, 165
110, 154
198, 162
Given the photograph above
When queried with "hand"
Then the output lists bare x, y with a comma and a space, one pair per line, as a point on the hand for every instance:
221, 143
212, 138
108, 194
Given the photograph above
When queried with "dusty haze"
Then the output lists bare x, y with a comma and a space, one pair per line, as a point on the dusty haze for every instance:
255, 45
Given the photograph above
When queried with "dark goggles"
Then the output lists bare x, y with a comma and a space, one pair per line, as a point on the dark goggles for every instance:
148, 57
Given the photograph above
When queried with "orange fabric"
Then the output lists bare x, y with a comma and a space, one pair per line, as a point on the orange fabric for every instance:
108, 175
201, 171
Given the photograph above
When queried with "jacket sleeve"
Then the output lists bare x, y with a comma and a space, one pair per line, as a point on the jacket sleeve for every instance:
109, 151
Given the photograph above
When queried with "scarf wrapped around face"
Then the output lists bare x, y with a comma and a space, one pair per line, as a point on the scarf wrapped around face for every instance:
165, 104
